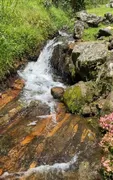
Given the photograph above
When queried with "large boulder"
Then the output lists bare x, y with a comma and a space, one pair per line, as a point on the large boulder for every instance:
91, 19
61, 60
78, 29
88, 58
79, 95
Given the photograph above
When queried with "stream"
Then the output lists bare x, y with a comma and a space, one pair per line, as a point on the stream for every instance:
40, 140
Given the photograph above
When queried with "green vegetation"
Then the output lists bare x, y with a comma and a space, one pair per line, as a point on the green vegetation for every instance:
24, 25
95, 3
100, 11
75, 97
89, 34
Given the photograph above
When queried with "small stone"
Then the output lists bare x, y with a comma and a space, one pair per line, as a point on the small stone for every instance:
57, 92
104, 32
86, 111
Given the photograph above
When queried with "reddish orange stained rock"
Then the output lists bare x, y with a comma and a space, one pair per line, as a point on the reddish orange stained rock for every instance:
61, 108
75, 129
57, 127
1, 171
40, 148
71, 45
37, 132
33, 165
11, 94
84, 134
27, 140
18, 84
89, 134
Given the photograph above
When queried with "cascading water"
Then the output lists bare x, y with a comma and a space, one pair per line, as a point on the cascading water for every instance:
34, 146
38, 78
45, 170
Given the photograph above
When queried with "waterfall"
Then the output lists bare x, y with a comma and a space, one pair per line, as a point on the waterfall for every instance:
38, 78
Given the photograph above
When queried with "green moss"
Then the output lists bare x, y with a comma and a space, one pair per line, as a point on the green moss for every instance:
73, 98
72, 70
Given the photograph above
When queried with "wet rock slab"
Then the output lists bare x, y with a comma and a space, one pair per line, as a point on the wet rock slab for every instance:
32, 140
12, 93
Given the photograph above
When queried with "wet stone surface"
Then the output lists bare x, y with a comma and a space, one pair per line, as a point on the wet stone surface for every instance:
31, 139
39, 142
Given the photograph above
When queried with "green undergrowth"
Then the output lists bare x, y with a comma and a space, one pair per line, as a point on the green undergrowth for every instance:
101, 10
90, 33
24, 25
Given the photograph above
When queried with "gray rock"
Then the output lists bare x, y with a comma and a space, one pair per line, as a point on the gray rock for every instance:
111, 3
78, 29
106, 71
91, 19
108, 104
86, 111
108, 16
104, 32
88, 57
105, 75
110, 45
61, 61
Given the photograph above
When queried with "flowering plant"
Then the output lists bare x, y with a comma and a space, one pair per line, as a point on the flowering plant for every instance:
106, 122
106, 143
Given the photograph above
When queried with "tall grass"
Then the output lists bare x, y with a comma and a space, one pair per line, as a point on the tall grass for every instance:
24, 25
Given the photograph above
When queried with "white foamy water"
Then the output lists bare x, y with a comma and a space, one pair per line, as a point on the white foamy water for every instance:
39, 77
39, 80
45, 169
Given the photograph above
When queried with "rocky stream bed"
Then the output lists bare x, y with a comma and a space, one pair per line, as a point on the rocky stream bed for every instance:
42, 138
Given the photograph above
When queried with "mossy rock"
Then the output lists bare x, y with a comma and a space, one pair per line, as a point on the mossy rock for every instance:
75, 97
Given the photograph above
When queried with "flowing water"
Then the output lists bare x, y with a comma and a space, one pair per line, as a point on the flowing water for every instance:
39, 78
45, 148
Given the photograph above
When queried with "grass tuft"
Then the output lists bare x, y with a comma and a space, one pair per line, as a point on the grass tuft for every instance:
24, 25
